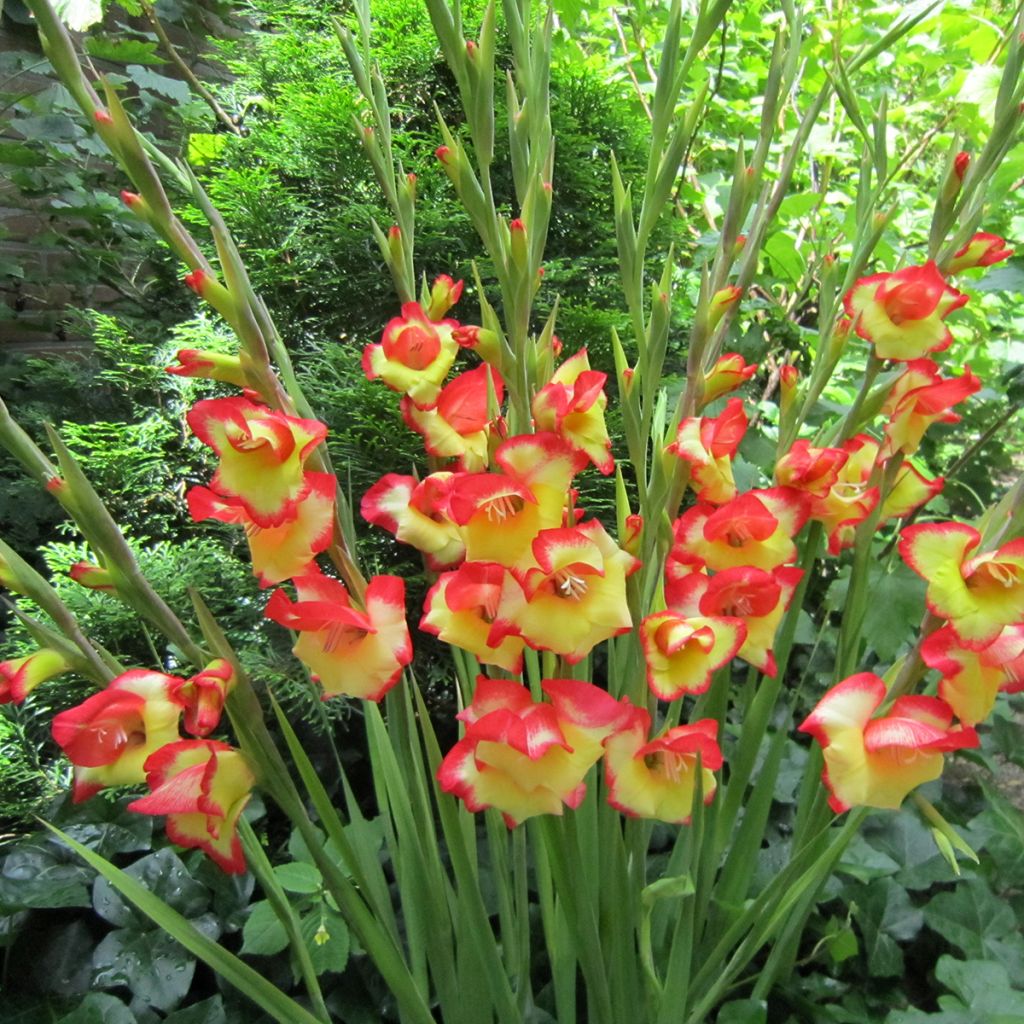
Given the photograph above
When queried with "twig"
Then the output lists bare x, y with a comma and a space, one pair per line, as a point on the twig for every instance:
222, 115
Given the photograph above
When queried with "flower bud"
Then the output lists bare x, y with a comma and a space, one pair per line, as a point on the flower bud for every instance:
93, 577
196, 362
517, 232
20, 676
444, 294
981, 251
720, 302
955, 179
729, 372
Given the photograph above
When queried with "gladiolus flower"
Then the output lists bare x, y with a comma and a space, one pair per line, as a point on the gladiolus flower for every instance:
729, 372
526, 758
202, 786
444, 294
349, 652
981, 251
92, 577
414, 355
20, 676
109, 736
203, 696
278, 552
970, 678
849, 501
919, 398
458, 427
814, 471
658, 778
876, 762
576, 593
902, 313
755, 597
910, 490
708, 444
682, 652
261, 451
572, 405
475, 608
483, 342
979, 595
755, 529
417, 514
195, 362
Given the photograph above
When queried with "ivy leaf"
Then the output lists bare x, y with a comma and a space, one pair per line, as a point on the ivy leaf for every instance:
999, 829
152, 965
862, 861
170, 88
982, 993
209, 1011
263, 934
885, 622
885, 914
99, 1008
166, 877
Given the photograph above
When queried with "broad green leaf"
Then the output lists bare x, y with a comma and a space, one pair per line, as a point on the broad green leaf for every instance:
172, 88
20, 155
889, 624
209, 1011
263, 933
743, 1011
782, 249
100, 1008
862, 861
122, 50
884, 915
327, 939
205, 147
165, 876
151, 965
299, 877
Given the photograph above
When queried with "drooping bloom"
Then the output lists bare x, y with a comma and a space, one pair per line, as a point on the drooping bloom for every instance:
417, 513
476, 608
109, 736
526, 758
458, 426
202, 786
278, 552
755, 529
203, 696
708, 444
919, 398
576, 591
979, 594
970, 678
849, 501
658, 778
414, 355
756, 597
349, 652
572, 405
729, 372
262, 453
682, 652
902, 313
981, 251
20, 676
876, 762
195, 362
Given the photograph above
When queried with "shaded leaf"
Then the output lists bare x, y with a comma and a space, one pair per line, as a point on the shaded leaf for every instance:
155, 968
99, 1008
263, 934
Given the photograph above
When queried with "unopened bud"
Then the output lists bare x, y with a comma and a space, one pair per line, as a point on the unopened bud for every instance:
729, 372
20, 676
195, 362
517, 231
8, 578
130, 199
739, 245
444, 293
981, 251
443, 153
102, 117
634, 532
789, 377
720, 302
93, 577
472, 50
482, 341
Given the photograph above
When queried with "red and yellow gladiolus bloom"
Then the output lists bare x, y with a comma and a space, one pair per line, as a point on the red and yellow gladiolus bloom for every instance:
756, 597
459, 425
980, 594
658, 778
814, 471
971, 678
475, 608
416, 512
262, 453
755, 529
203, 696
682, 652
902, 314
413, 355
849, 500
195, 362
278, 552
349, 652
501, 513
109, 736
910, 491
202, 786
981, 251
707, 444
20, 676
526, 758
729, 372
572, 405
876, 762
576, 591
444, 293
919, 398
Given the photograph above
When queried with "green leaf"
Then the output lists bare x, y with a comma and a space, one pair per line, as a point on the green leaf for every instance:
234, 971
79, 15
209, 1011
171, 88
20, 155
263, 934
326, 936
887, 624
299, 877
205, 147
164, 876
1000, 831
100, 1008
151, 965
885, 914
862, 861
122, 50
743, 1011
782, 249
